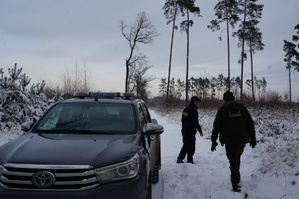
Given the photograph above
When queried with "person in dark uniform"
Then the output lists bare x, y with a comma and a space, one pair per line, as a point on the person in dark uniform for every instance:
189, 126
236, 128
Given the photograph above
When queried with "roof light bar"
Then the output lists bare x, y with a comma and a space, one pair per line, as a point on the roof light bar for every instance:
105, 95
129, 94
81, 95
111, 94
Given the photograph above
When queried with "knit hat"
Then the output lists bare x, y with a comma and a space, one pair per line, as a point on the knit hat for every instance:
228, 96
195, 98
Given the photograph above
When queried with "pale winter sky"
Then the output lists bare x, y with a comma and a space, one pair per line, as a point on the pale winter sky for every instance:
47, 36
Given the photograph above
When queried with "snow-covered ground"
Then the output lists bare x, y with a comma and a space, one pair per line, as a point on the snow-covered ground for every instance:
269, 171
263, 175
6, 136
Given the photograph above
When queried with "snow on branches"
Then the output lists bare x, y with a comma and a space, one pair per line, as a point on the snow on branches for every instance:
19, 104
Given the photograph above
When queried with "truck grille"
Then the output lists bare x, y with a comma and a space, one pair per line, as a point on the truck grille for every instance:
48, 177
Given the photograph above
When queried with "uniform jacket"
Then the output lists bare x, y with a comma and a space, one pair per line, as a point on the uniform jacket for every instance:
190, 119
234, 123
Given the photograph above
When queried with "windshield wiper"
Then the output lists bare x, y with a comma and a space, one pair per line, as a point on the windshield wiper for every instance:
69, 131
91, 132
53, 131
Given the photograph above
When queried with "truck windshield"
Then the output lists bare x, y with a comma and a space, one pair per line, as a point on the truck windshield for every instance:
89, 118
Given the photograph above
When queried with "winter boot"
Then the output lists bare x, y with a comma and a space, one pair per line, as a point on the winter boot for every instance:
237, 188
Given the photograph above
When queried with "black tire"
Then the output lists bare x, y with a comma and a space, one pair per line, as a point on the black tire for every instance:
155, 173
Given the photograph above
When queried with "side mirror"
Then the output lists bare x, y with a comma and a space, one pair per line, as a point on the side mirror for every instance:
154, 121
153, 129
26, 126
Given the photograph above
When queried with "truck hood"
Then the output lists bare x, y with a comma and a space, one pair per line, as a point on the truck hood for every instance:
69, 149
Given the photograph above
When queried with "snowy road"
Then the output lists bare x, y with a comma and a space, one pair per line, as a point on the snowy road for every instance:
158, 189
209, 177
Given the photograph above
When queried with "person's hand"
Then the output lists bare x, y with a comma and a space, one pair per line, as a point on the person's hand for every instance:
214, 144
252, 143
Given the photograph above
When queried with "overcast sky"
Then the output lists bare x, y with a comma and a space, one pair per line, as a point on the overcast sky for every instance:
47, 36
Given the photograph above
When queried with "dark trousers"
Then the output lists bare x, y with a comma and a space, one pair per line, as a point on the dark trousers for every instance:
233, 153
188, 147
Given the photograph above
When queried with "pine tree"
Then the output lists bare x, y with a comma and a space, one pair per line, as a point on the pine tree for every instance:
18, 104
250, 35
170, 11
186, 7
292, 57
226, 11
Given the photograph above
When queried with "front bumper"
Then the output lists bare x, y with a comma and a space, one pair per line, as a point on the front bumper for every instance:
134, 189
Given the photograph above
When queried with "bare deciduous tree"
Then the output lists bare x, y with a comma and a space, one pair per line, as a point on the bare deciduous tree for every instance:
142, 31
138, 81
78, 79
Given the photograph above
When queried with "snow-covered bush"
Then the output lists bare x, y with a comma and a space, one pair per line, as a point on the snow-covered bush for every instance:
19, 104
278, 137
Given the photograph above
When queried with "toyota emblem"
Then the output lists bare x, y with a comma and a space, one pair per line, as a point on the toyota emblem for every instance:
43, 179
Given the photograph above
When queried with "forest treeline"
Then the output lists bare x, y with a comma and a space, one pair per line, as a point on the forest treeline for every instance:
21, 101
212, 88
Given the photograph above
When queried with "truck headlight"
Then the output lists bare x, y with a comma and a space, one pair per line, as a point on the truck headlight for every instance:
125, 170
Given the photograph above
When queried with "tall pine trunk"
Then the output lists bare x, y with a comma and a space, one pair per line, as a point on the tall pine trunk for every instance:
290, 86
228, 52
252, 80
170, 56
243, 46
187, 60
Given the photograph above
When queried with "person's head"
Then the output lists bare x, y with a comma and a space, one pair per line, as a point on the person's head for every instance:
195, 100
228, 96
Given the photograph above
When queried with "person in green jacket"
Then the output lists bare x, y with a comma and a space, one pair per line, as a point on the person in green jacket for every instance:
236, 128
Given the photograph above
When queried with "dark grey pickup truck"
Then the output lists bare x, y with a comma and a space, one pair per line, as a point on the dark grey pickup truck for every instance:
95, 146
